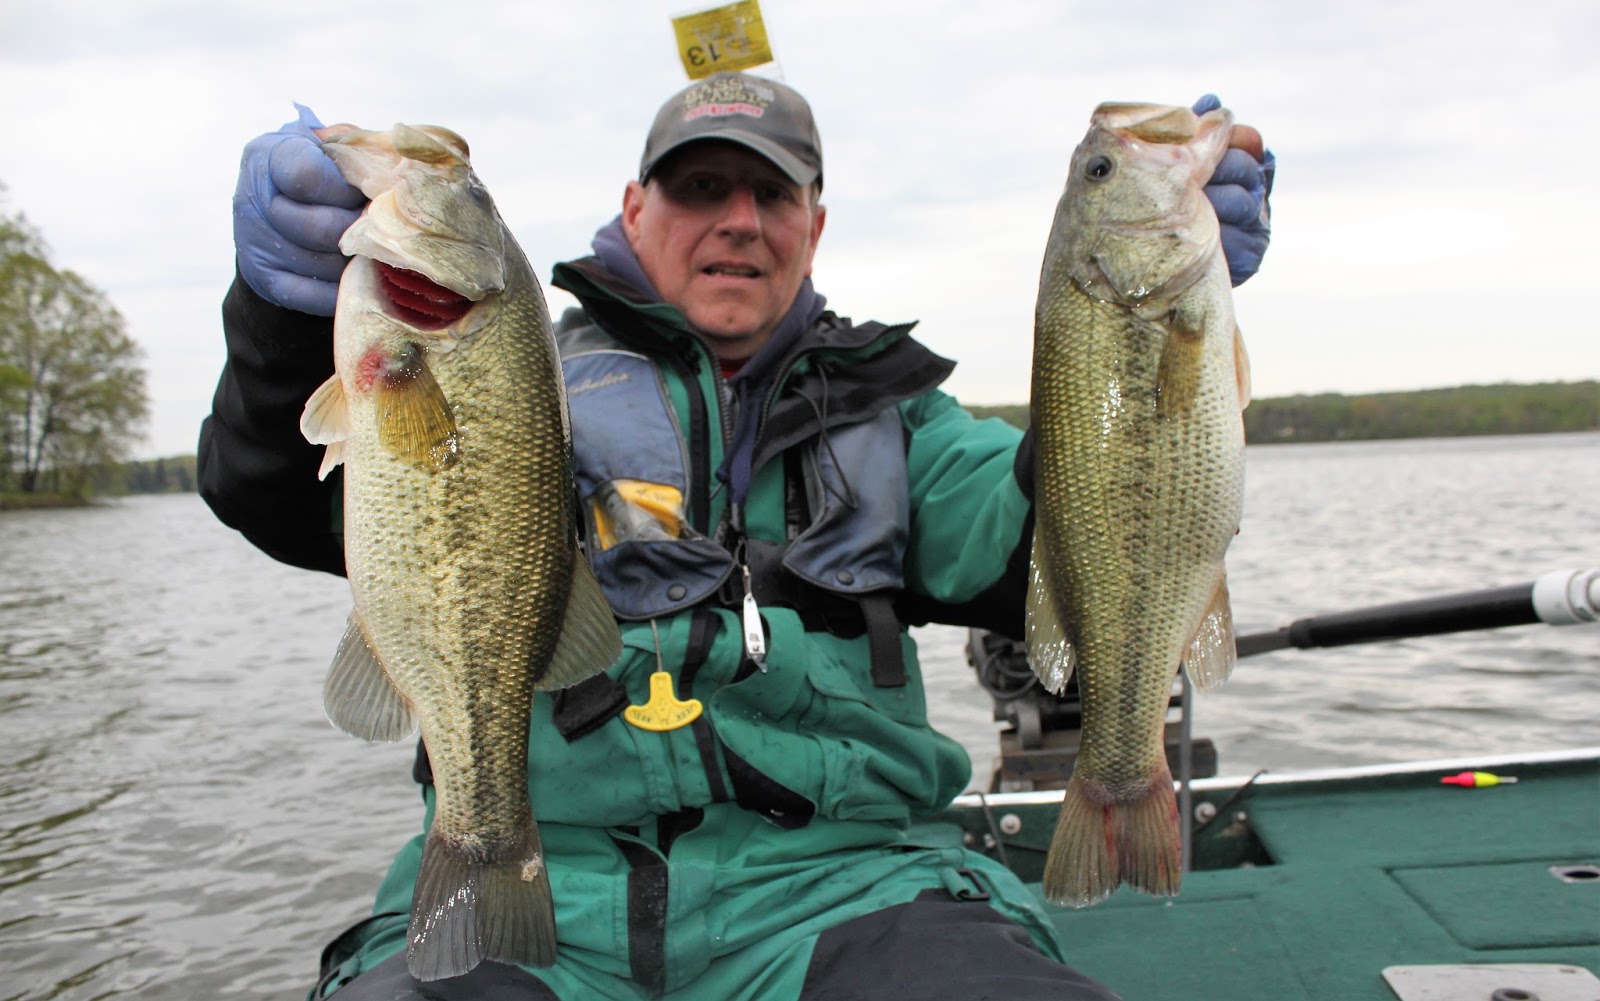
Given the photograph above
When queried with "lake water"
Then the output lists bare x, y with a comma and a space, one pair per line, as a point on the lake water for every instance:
177, 819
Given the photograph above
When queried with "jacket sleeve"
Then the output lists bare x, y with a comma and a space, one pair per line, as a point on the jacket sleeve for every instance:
256, 471
971, 518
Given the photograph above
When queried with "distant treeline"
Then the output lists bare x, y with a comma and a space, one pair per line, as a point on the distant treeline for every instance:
75, 487
1425, 413
173, 474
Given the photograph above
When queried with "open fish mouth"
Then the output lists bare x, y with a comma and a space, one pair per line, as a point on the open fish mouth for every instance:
417, 300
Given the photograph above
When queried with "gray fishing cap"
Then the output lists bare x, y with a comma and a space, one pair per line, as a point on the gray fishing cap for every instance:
759, 114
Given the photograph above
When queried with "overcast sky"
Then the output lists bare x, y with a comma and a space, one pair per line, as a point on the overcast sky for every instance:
1435, 213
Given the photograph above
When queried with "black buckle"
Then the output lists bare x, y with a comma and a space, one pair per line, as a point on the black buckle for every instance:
976, 893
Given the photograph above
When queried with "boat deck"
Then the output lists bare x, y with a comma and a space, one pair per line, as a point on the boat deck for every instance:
1309, 888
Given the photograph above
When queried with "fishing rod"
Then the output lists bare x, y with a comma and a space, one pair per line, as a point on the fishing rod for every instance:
1559, 598
1563, 597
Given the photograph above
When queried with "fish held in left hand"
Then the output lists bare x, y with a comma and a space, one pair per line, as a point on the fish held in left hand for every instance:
448, 415
1139, 377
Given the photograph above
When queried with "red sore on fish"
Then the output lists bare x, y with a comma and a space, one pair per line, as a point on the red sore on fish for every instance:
379, 368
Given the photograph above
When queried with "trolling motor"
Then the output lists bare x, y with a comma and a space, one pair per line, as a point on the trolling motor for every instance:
1039, 745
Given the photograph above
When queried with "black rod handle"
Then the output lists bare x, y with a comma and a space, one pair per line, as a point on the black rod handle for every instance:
1563, 597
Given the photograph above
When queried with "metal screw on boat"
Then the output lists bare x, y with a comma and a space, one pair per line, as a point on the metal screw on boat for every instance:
1010, 824
1204, 811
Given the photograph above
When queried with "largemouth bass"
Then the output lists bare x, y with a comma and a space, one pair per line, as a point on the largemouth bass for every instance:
1139, 378
448, 414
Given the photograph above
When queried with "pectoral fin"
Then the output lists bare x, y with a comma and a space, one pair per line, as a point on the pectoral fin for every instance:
1212, 652
358, 696
415, 422
1050, 647
326, 421
1181, 368
590, 641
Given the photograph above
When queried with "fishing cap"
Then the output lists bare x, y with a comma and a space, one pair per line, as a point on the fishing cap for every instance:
759, 114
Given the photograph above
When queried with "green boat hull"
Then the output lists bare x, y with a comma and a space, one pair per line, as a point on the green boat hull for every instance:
1310, 886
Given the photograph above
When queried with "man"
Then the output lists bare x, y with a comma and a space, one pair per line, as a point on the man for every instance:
744, 456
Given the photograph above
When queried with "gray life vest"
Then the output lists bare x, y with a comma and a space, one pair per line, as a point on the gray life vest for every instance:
650, 562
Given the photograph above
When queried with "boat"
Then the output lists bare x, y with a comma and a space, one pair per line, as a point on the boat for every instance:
1444, 880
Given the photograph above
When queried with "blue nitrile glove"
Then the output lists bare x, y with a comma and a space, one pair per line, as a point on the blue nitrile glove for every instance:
289, 210
1239, 191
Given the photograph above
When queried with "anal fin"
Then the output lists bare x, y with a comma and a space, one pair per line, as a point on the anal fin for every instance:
1212, 653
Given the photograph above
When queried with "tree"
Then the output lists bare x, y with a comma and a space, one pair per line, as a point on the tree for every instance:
72, 393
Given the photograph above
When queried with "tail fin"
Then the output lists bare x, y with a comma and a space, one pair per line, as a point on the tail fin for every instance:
1100, 844
467, 908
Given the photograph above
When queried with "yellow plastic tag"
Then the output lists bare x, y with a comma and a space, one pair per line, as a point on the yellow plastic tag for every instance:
664, 711
730, 37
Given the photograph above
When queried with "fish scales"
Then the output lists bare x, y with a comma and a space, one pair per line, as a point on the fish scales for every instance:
1117, 455
1138, 382
448, 415
491, 605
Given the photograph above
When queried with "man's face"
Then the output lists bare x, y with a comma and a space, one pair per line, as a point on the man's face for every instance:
727, 238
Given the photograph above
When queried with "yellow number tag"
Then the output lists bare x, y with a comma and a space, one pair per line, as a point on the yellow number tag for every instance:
730, 37
664, 711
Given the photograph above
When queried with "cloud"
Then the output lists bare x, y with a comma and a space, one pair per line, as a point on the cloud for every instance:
1432, 211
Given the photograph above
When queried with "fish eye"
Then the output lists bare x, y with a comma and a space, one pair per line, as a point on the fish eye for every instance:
1098, 168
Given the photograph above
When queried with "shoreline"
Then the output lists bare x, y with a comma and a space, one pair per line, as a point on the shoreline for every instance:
42, 501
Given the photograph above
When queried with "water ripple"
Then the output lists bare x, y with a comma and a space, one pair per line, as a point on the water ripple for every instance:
180, 821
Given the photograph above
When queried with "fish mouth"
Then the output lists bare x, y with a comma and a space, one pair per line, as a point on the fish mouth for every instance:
418, 300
